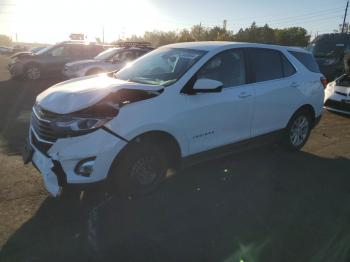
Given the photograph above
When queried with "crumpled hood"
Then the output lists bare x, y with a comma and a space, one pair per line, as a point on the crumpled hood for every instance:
76, 94
83, 62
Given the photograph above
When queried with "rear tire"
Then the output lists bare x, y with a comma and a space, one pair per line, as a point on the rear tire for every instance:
140, 169
297, 131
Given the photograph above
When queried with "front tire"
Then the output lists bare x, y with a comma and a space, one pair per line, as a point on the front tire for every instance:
140, 169
298, 131
33, 72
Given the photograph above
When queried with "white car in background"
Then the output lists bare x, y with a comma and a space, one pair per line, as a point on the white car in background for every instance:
110, 60
337, 95
173, 107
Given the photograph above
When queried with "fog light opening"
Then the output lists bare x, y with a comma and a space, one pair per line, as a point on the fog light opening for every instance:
85, 167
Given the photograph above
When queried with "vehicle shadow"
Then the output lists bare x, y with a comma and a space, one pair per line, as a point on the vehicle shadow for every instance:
16, 100
261, 205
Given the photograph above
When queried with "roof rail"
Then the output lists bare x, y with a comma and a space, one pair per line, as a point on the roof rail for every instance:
134, 44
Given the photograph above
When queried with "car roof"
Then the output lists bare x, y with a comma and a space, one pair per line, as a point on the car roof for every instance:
216, 45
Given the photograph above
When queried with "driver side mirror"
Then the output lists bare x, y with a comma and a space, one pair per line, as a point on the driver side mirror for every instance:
206, 85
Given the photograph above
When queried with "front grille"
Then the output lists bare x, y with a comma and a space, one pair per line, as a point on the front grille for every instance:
43, 129
43, 147
41, 123
337, 105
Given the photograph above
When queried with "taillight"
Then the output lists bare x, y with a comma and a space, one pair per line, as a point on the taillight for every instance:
324, 82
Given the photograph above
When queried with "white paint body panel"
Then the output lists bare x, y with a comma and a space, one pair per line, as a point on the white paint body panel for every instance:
198, 122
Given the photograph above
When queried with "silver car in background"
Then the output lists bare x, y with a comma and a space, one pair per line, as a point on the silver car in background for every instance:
337, 95
112, 59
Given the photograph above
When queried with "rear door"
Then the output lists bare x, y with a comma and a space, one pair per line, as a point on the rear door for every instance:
275, 82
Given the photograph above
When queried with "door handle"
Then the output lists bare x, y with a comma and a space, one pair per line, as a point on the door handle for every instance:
244, 95
294, 85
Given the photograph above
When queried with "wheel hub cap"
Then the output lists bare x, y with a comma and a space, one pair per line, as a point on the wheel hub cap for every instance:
144, 171
33, 73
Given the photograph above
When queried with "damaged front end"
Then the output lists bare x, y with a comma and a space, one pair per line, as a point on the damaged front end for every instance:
74, 147
51, 126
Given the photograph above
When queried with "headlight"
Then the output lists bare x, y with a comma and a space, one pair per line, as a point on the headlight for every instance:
330, 86
79, 124
14, 61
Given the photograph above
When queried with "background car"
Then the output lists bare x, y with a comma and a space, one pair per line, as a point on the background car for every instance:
37, 49
110, 60
50, 61
4, 50
337, 95
331, 52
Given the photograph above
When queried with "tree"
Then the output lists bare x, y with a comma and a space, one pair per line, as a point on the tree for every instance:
185, 36
293, 36
5, 40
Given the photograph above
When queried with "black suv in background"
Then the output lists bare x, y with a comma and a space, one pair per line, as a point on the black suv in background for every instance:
50, 61
332, 53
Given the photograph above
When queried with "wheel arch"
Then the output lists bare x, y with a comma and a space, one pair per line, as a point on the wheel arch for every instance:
163, 139
307, 108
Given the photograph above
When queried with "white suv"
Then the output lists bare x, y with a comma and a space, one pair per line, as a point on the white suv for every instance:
177, 105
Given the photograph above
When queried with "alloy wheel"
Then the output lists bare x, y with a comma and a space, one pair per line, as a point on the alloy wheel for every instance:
299, 130
33, 73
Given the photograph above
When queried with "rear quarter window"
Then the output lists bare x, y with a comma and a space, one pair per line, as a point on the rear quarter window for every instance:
266, 64
307, 60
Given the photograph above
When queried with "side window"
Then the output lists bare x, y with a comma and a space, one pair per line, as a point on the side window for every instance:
58, 51
307, 60
227, 67
288, 69
266, 64
73, 50
141, 53
126, 56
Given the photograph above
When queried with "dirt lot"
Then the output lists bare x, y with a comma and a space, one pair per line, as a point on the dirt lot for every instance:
261, 205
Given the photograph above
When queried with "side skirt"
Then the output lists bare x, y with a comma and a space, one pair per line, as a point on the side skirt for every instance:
234, 148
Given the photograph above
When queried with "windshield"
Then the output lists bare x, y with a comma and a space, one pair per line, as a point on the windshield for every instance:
44, 50
107, 54
160, 67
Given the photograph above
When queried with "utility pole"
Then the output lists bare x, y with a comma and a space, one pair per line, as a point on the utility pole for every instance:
346, 13
224, 25
103, 34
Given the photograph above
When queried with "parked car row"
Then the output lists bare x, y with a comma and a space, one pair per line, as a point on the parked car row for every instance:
73, 59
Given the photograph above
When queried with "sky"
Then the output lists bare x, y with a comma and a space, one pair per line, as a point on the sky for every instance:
51, 21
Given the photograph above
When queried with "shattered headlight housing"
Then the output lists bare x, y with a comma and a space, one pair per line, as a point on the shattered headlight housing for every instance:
79, 124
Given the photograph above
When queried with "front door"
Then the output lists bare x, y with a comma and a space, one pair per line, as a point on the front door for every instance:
212, 120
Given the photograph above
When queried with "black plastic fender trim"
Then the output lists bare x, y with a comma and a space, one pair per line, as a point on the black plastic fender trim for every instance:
114, 134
